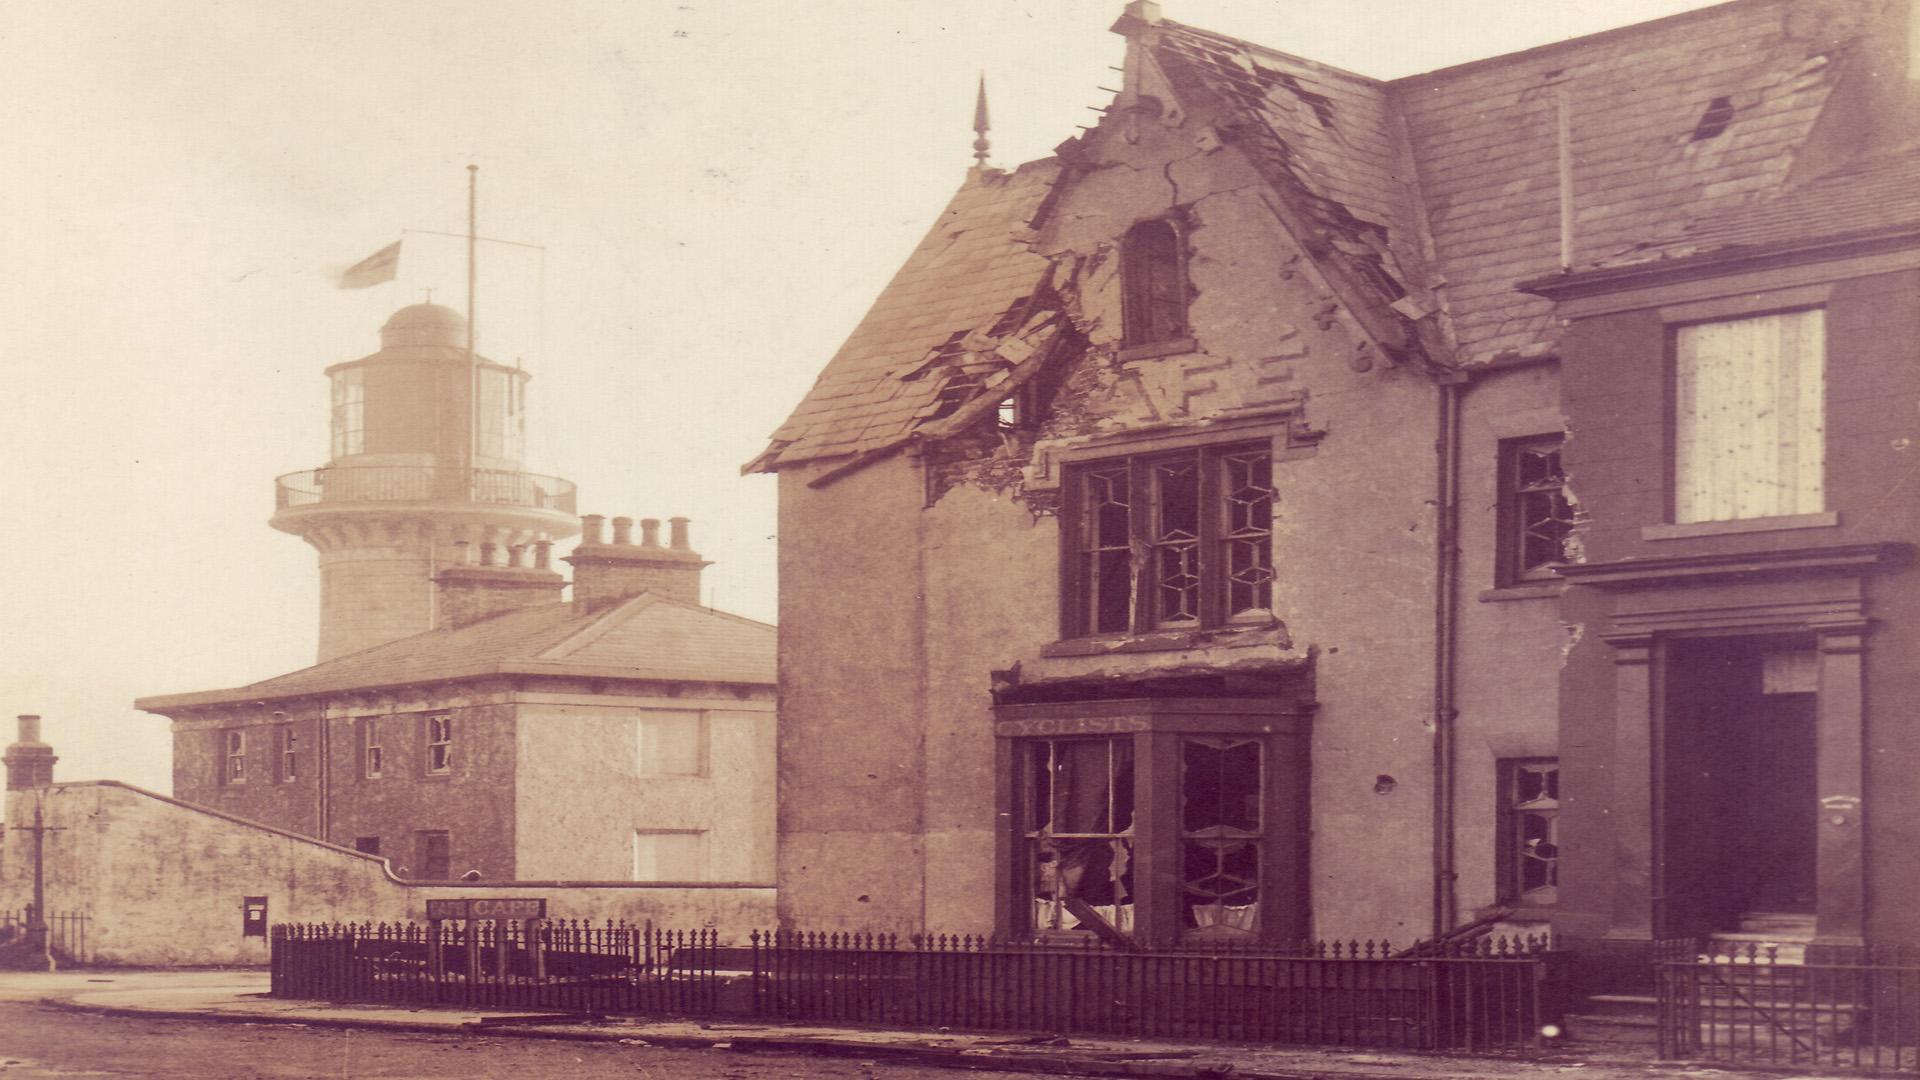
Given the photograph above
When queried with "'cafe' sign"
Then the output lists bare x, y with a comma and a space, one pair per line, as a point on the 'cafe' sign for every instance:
476, 907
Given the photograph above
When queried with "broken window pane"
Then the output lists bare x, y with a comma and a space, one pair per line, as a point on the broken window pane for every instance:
1176, 539
1220, 829
1080, 836
1248, 494
1532, 829
1108, 516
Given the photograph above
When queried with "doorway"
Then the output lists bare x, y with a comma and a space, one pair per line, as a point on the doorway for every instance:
1739, 782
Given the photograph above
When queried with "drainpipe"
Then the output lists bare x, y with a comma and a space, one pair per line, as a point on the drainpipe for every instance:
1446, 617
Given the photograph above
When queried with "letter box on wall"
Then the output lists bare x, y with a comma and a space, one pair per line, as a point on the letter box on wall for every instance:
253, 918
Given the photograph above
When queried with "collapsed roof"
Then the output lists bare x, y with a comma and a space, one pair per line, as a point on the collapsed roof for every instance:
1424, 201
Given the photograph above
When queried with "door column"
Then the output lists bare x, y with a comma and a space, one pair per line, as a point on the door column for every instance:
1840, 864
1632, 808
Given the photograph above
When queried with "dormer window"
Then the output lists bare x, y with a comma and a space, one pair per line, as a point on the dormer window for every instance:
1153, 273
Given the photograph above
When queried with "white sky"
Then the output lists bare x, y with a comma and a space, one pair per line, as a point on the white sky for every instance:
721, 185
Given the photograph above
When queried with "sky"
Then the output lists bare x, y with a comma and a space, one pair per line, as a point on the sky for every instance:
719, 187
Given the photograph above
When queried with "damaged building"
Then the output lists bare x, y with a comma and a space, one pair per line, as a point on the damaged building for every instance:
1307, 505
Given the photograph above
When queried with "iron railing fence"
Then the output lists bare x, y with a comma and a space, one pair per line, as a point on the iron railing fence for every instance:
571, 966
66, 932
345, 484
1485, 995
1857, 1009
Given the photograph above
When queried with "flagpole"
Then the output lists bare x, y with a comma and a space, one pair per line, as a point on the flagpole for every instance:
473, 363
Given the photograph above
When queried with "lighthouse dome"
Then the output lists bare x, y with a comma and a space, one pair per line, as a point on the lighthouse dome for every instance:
424, 324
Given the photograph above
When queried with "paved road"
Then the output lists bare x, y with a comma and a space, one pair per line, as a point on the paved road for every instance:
40, 1043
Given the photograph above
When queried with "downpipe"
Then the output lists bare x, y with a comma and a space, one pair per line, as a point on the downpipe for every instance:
1446, 617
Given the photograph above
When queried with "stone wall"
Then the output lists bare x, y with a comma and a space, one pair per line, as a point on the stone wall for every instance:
162, 881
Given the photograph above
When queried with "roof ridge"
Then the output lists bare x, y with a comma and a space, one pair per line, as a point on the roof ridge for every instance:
1647, 26
602, 623
1169, 24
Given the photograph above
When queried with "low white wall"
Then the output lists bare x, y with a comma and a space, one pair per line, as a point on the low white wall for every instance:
162, 881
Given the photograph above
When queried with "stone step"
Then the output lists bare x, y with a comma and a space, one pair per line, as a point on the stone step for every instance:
1611, 1030
1787, 924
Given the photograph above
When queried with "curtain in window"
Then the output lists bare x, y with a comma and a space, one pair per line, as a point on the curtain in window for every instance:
1749, 417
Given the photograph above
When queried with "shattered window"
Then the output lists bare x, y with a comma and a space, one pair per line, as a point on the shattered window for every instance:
1080, 832
1107, 526
1153, 275
1176, 542
1537, 518
439, 744
1220, 833
235, 769
1248, 533
1531, 831
1171, 541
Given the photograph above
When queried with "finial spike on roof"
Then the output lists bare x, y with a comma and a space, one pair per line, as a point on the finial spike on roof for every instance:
980, 125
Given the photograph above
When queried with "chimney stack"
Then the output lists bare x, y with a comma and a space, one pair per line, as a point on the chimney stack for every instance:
607, 573
469, 592
29, 761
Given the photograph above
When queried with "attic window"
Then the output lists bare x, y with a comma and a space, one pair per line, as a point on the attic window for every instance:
1715, 120
1153, 274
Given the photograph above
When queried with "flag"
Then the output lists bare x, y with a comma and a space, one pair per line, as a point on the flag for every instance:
381, 266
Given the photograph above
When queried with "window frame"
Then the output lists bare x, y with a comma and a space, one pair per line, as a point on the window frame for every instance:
369, 749
1157, 727
1510, 519
1691, 317
289, 756
1510, 845
1079, 614
1146, 277
233, 756
348, 427
436, 731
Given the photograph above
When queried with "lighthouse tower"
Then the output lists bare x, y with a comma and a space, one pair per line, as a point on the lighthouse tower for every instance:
426, 476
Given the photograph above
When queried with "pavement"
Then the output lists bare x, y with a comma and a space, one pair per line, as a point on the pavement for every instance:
240, 996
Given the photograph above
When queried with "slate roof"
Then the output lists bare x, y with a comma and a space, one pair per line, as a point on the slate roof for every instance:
1484, 137
965, 275
1441, 188
646, 637
1876, 196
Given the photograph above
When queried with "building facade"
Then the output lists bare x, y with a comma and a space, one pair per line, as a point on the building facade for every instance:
465, 721
1226, 563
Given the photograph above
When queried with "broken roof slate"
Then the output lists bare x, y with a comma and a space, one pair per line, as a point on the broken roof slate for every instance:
645, 637
1636, 96
961, 277
1447, 181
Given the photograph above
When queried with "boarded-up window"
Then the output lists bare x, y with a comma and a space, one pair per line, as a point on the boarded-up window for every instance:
1749, 417
669, 855
433, 855
672, 744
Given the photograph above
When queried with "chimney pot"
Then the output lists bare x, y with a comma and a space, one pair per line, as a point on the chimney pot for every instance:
462, 552
29, 728
623, 531
542, 554
649, 532
487, 554
516, 554
679, 526
590, 526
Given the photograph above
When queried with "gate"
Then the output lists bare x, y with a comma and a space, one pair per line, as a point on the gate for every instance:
1859, 1010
